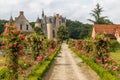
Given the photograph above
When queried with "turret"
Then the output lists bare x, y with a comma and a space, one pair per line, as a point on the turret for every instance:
49, 28
11, 21
43, 13
38, 23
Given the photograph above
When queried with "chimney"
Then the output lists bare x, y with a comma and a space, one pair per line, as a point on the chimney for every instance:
57, 15
21, 12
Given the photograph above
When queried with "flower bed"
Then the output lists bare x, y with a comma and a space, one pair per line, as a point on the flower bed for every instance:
97, 50
23, 52
40, 69
102, 72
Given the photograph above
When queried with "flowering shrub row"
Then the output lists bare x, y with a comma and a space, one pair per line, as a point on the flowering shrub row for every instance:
102, 72
97, 49
22, 52
40, 69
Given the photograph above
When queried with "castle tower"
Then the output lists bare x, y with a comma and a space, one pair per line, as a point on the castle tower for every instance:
57, 21
38, 23
11, 21
49, 29
43, 13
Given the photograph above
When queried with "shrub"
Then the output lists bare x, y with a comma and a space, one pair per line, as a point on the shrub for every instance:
3, 74
40, 69
14, 48
114, 45
103, 73
35, 42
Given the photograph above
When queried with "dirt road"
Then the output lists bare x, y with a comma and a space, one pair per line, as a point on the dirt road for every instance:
67, 66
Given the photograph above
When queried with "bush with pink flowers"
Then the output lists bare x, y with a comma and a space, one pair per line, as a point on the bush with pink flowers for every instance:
13, 47
98, 50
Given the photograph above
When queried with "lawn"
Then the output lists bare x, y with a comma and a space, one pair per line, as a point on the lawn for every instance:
2, 61
116, 55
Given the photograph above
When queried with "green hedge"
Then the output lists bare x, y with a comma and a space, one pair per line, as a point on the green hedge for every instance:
40, 69
3, 73
102, 72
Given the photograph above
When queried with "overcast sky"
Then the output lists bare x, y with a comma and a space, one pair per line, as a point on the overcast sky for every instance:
71, 9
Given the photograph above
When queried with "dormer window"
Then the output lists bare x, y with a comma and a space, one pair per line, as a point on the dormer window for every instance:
27, 27
20, 26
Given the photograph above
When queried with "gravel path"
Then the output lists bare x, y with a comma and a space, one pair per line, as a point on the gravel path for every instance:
67, 66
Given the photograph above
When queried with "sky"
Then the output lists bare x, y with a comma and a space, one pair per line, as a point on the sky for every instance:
71, 9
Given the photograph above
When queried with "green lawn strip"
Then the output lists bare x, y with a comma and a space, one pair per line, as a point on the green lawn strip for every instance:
116, 56
3, 73
102, 72
40, 69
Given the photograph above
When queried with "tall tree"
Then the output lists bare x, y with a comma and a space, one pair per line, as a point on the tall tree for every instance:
62, 33
38, 30
2, 23
98, 19
78, 30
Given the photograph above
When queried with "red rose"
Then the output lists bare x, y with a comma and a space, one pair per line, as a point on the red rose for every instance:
5, 64
11, 66
2, 47
22, 37
39, 58
21, 71
15, 45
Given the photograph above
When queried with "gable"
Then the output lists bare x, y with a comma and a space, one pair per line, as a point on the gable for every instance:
23, 24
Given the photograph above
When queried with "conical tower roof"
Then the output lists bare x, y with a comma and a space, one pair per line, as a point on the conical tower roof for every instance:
11, 21
38, 20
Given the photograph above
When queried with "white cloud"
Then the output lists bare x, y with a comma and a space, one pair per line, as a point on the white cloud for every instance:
73, 9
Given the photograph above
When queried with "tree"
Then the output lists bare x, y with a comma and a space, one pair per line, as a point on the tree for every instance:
38, 30
78, 30
32, 24
98, 19
2, 23
62, 33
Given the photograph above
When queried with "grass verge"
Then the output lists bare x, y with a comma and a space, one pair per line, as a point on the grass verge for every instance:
40, 69
102, 72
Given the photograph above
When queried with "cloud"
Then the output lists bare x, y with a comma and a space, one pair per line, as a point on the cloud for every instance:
72, 9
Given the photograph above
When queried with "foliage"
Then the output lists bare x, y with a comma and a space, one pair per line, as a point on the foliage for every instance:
103, 73
13, 44
98, 50
101, 47
62, 33
114, 45
78, 30
2, 23
4, 73
51, 44
32, 24
35, 42
96, 13
38, 31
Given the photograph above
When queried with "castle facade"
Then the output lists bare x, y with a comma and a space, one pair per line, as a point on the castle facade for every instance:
50, 24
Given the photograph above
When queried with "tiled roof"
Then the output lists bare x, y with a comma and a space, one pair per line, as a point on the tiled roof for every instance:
107, 29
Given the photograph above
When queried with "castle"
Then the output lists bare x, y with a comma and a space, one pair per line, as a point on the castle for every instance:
50, 25
22, 23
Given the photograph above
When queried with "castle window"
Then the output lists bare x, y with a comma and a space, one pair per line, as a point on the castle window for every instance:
20, 26
27, 27
60, 22
53, 33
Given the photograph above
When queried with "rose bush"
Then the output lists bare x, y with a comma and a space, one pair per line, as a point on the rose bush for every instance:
13, 47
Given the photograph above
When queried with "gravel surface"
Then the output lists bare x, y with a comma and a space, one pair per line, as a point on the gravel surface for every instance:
67, 66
